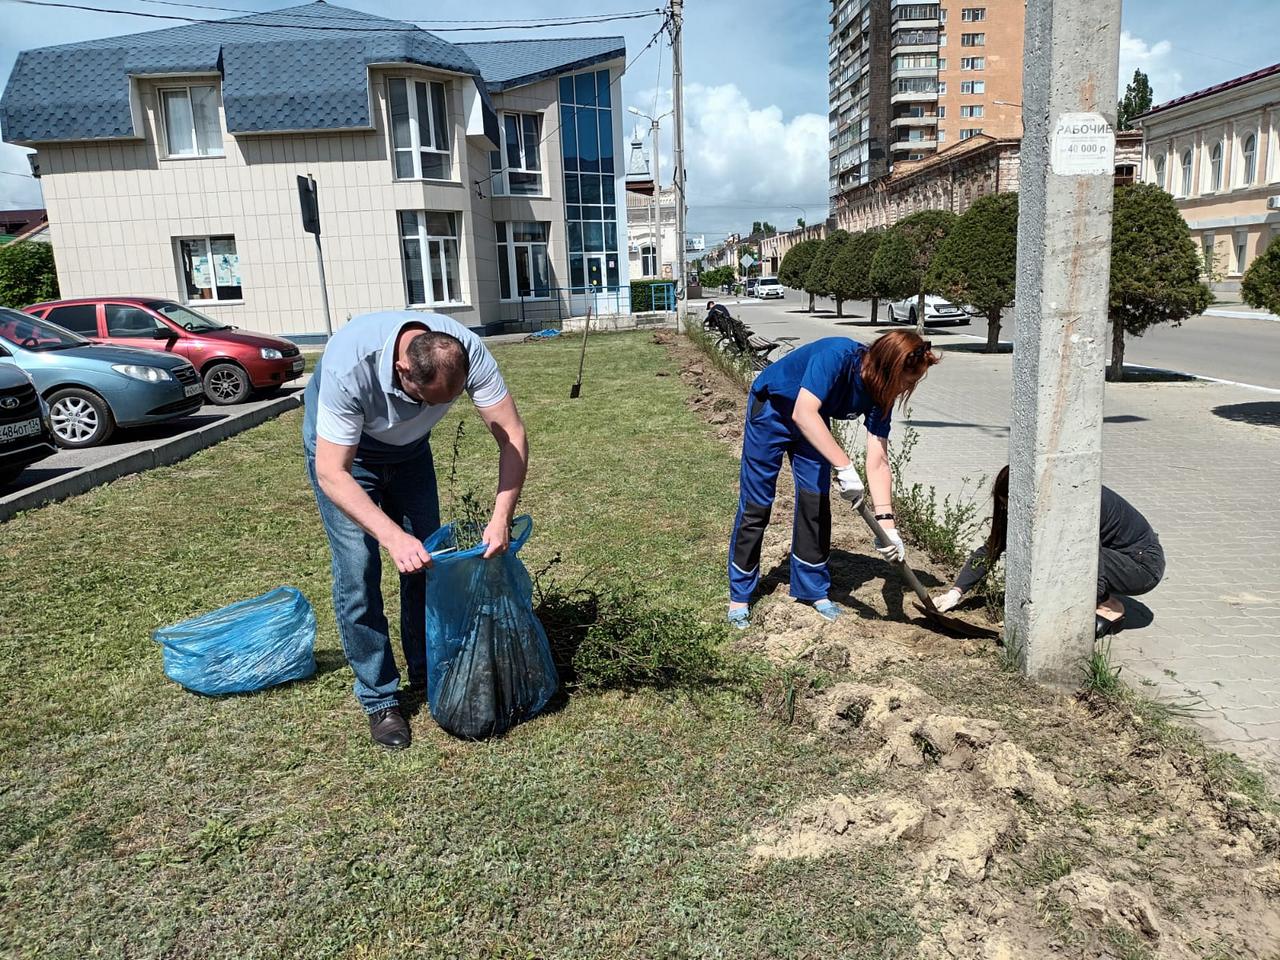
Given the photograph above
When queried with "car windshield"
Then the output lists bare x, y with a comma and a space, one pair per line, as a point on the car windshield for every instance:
186, 318
25, 331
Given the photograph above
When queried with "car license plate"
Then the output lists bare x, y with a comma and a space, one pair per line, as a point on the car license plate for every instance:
24, 428
192, 389
297, 365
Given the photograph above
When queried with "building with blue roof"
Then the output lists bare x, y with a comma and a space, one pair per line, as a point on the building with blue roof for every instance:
481, 180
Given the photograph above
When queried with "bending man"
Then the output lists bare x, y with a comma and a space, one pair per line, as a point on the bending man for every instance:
384, 382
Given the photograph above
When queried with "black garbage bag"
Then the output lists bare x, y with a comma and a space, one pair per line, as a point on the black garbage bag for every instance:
489, 664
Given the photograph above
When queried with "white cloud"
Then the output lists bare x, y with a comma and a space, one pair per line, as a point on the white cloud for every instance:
17, 192
1156, 60
745, 163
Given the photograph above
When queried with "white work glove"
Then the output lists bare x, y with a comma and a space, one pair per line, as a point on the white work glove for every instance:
850, 483
894, 550
947, 601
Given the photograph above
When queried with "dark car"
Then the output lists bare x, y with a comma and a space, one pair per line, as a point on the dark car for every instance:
232, 363
25, 434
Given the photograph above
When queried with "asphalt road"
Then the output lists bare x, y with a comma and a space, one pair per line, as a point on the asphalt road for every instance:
1241, 350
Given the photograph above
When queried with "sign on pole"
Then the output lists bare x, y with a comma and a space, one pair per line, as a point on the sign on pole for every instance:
747, 261
308, 195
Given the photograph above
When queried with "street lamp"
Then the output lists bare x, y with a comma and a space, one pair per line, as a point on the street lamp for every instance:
656, 217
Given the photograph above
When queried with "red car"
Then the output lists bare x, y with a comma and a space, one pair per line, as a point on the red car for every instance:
233, 363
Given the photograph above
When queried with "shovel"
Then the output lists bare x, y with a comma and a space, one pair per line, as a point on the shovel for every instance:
576, 390
931, 613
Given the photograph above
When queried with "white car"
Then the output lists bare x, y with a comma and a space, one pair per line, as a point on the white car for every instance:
936, 311
770, 289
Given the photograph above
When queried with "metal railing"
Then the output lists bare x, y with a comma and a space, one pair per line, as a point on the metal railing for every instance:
553, 307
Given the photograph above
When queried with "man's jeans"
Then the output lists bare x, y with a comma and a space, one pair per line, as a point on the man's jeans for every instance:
406, 491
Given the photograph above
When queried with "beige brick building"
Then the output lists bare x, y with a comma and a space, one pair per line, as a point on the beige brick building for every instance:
477, 180
1218, 152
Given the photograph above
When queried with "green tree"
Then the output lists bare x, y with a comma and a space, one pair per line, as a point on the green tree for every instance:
27, 274
1155, 267
795, 265
1261, 285
1135, 102
816, 282
717, 276
800, 223
905, 254
851, 271
977, 263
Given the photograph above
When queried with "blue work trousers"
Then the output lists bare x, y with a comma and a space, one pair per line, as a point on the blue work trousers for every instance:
769, 436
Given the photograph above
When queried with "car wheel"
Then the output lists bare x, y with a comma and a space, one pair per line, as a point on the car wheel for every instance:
225, 383
79, 418
892, 318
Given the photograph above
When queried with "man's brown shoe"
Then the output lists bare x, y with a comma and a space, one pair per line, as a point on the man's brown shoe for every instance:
389, 729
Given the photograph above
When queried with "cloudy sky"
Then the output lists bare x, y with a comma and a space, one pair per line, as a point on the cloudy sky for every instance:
756, 80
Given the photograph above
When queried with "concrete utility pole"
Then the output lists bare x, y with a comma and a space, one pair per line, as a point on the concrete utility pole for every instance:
1064, 260
678, 179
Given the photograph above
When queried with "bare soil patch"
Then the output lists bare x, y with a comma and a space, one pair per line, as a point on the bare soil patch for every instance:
1028, 822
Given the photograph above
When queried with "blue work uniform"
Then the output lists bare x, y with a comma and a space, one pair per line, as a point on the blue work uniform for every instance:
830, 369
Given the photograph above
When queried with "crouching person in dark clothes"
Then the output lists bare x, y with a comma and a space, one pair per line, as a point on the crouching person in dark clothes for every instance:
1130, 558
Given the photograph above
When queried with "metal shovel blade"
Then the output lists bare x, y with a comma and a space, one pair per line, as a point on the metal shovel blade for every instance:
931, 613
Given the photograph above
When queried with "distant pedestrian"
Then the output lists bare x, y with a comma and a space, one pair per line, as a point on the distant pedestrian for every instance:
789, 413
385, 380
1130, 558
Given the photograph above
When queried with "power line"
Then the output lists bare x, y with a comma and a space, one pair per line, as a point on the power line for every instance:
503, 20
480, 181
301, 23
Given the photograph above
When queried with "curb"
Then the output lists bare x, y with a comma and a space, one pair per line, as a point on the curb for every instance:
1241, 314
161, 455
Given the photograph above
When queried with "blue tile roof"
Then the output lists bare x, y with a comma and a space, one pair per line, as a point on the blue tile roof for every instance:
301, 68
512, 63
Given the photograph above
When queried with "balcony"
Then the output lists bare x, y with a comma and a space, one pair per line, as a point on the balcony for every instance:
914, 96
913, 146
905, 73
914, 41
923, 120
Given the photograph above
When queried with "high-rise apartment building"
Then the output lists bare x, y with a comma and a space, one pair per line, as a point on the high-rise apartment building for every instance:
909, 79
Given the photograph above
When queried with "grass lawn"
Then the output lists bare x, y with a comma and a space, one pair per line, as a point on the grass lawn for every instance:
138, 820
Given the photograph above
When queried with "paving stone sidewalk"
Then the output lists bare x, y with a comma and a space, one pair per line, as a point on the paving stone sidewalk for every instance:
1201, 461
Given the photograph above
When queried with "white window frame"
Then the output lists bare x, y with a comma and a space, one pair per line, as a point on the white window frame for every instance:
973, 39
502, 182
1248, 159
509, 249
970, 132
648, 259
972, 110
1158, 169
1186, 172
1239, 251
208, 252
1208, 253
416, 145
166, 124
1214, 171
973, 14
973, 87
973, 63
453, 298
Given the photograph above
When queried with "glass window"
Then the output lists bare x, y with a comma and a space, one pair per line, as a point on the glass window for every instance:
429, 255
1160, 173
1241, 247
1186, 174
522, 148
973, 39
585, 91
126, 320
79, 318
1215, 167
191, 124
210, 268
603, 98
1249, 153
588, 141
419, 129
524, 267
973, 14
569, 137
566, 90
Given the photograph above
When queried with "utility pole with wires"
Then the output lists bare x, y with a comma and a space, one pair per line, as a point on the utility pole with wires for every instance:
1059, 356
678, 179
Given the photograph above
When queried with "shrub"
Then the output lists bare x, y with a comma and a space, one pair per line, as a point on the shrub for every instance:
642, 297
27, 274
1261, 285
977, 262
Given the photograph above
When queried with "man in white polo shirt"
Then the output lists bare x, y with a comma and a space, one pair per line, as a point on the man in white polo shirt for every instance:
384, 381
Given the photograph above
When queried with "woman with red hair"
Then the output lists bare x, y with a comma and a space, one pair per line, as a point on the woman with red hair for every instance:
789, 413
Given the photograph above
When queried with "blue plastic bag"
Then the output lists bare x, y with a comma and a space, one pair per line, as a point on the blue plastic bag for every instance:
489, 664
244, 647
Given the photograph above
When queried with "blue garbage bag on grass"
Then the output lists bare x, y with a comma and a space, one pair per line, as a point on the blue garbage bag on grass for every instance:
243, 647
489, 664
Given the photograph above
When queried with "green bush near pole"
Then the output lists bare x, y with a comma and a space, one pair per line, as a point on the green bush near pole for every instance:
1261, 285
